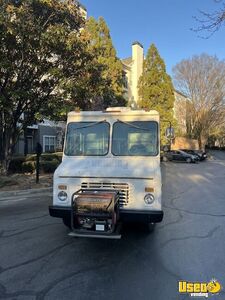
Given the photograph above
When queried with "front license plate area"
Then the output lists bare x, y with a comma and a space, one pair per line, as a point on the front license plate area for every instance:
99, 227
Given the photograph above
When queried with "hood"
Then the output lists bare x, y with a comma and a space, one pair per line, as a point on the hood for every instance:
129, 167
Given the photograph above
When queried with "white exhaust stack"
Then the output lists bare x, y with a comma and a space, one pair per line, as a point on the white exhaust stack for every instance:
137, 68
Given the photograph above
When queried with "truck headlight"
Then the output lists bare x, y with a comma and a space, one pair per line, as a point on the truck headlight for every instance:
149, 199
62, 196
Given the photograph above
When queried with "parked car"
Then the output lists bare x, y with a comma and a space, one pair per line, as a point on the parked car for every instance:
179, 155
201, 154
192, 153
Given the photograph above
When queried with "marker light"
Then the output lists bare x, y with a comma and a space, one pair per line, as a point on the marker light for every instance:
149, 190
62, 187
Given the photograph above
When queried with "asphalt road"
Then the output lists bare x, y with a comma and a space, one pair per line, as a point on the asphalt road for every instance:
38, 260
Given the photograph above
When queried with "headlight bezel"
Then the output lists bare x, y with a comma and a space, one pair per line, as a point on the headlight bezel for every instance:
149, 199
62, 196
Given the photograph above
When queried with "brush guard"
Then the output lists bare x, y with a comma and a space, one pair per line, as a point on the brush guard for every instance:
95, 213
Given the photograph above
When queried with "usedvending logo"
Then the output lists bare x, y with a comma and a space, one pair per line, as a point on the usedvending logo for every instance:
200, 289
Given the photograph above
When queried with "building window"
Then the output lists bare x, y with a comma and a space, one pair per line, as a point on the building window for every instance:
49, 143
30, 146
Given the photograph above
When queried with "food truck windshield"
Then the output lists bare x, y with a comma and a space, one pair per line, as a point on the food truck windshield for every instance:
136, 138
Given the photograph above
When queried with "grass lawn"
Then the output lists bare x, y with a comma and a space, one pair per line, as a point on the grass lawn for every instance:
24, 182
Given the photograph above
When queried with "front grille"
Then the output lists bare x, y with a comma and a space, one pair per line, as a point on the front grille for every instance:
122, 188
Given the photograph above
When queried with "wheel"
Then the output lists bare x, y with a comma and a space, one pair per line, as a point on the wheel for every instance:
67, 222
188, 160
149, 227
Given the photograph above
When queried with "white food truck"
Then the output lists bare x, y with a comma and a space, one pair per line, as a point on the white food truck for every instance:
110, 172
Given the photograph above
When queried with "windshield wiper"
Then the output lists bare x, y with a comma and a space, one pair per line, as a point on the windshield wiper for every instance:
90, 125
132, 125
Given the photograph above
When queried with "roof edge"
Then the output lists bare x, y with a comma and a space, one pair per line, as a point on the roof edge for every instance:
137, 43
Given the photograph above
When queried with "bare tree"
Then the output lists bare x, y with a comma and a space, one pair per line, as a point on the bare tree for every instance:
202, 80
210, 22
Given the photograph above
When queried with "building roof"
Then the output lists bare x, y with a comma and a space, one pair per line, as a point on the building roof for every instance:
178, 92
50, 123
127, 61
137, 43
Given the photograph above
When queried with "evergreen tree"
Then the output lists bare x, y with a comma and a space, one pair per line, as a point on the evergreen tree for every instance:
156, 89
108, 73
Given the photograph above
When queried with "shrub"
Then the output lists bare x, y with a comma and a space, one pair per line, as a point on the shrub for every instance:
49, 166
48, 163
15, 165
45, 157
30, 157
59, 155
49, 157
28, 167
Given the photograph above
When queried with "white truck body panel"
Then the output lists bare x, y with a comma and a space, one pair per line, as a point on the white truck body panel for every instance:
136, 172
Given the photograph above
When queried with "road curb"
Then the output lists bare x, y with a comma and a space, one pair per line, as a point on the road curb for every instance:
23, 192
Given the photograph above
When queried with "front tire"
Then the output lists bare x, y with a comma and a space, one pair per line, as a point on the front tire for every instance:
149, 227
67, 222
